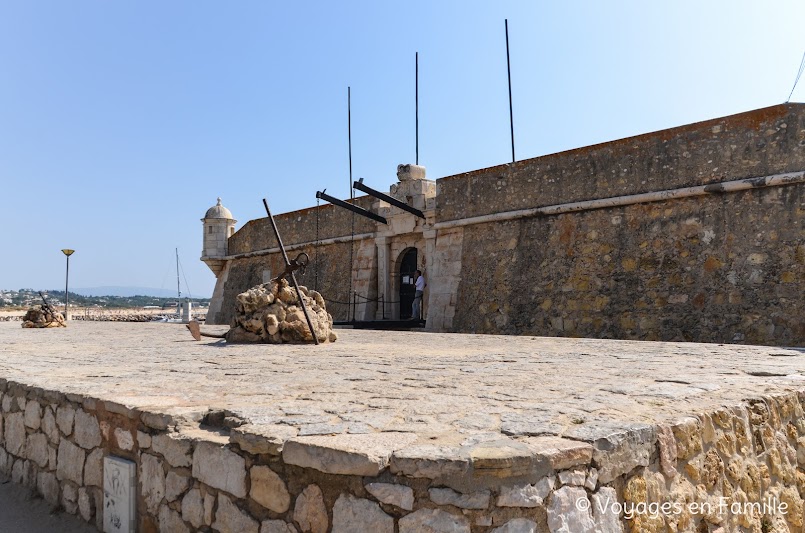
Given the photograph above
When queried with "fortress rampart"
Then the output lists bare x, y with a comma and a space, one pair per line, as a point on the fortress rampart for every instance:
692, 233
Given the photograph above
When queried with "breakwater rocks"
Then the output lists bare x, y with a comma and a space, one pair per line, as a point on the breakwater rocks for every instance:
132, 317
129, 317
114, 317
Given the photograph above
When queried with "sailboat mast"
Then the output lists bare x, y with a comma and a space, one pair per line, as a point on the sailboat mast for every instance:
178, 287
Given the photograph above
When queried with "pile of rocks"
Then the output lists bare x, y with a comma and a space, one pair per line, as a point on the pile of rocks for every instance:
271, 313
40, 316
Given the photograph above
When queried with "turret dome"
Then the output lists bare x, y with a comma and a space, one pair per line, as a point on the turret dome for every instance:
218, 211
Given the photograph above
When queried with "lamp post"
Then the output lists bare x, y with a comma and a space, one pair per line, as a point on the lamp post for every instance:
68, 253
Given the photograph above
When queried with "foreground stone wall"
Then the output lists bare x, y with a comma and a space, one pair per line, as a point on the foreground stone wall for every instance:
724, 268
738, 468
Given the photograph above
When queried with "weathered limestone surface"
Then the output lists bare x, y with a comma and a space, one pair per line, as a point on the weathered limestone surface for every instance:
356, 514
15, 433
87, 430
220, 468
65, 415
170, 520
124, 439
277, 526
263, 438
417, 435
269, 490
86, 504
603, 515
69, 498
430, 461
474, 500
310, 512
208, 504
433, 521
173, 448
230, 519
33, 415
397, 495
618, 448
526, 495
49, 426
152, 475
520, 525
93, 468
357, 455
565, 514
176, 483
70, 462
193, 508
36, 449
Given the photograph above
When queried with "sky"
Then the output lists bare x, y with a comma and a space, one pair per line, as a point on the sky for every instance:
122, 122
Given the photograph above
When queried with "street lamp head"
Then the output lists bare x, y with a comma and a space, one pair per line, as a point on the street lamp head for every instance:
68, 252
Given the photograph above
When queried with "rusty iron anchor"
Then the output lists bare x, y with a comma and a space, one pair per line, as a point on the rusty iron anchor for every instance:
299, 263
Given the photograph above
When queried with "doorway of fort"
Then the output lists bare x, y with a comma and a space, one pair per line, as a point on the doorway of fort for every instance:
407, 288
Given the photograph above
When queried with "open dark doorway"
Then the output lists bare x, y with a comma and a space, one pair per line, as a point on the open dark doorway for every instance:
407, 288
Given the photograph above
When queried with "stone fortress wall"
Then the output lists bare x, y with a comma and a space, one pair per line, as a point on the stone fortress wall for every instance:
698, 468
507, 250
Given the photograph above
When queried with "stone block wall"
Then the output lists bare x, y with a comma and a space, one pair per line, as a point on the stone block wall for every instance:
215, 237
444, 277
738, 468
300, 227
719, 268
364, 281
757, 143
331, 261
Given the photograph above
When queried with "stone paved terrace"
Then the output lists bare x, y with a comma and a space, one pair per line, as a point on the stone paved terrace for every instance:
414, 404
445, 388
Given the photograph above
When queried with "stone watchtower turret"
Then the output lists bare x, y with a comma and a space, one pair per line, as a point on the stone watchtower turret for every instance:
218, 227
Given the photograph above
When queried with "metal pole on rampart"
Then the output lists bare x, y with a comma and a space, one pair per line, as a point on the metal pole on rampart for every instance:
509, 68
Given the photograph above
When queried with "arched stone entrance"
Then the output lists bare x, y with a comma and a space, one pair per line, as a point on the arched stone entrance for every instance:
406, 268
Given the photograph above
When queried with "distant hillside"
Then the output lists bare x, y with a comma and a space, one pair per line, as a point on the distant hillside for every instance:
127, 292
28, 297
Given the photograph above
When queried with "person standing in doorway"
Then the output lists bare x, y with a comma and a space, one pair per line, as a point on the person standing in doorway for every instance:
419, 284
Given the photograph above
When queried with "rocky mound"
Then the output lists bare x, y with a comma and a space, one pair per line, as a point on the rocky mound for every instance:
40, 316
271, 313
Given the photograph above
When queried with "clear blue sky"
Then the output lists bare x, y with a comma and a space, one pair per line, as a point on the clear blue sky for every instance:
121, 122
